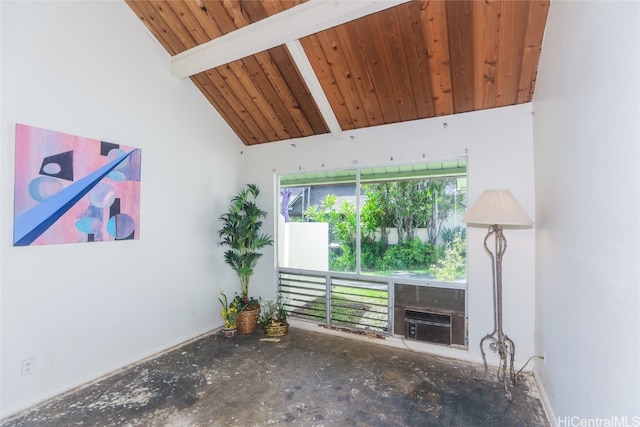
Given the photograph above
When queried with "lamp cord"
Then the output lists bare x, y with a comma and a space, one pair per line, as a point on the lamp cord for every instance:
527, 362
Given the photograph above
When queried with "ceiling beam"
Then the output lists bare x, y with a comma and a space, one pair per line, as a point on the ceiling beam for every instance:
292, 24
311, 79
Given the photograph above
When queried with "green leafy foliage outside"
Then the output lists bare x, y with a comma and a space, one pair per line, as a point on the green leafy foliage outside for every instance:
406, 206
452, 265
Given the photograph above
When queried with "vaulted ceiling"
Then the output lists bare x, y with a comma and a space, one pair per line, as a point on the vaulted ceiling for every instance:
282, 69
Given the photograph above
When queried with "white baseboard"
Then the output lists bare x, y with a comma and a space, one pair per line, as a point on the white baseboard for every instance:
546, 404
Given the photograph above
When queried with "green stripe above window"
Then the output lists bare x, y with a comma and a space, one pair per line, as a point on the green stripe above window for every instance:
457, 167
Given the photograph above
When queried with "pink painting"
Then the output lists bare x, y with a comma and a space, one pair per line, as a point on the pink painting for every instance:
70, 189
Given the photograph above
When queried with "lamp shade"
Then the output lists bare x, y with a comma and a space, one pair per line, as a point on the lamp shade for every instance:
497, 207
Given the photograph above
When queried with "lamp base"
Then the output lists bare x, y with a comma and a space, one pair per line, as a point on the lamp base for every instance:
506, 349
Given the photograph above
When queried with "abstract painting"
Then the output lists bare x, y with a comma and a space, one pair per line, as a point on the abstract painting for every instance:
70, 189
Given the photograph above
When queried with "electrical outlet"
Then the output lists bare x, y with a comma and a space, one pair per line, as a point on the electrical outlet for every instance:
28, 366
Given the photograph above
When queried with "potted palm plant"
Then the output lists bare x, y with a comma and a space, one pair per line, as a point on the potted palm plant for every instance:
240, 232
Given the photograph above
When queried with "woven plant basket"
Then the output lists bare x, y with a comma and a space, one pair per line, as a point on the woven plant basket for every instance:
276, 329
247, 321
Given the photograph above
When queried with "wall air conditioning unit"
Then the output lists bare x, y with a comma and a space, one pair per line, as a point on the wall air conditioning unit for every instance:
428, 326
435, 314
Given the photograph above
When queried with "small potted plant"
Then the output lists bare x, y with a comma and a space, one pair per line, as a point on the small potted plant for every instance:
229, 313
274, 318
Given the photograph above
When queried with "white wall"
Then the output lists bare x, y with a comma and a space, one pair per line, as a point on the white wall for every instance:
83, 310
303, 245
499, 146
587, 144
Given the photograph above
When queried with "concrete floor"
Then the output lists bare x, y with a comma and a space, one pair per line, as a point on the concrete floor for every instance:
307, 379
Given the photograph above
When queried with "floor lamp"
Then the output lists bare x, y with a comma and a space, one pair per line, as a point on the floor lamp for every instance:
498, 208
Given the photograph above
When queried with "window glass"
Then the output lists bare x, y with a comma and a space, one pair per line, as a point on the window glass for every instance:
400, 221
319, 230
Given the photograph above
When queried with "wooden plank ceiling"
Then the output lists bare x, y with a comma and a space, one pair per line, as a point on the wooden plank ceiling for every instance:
415, 60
